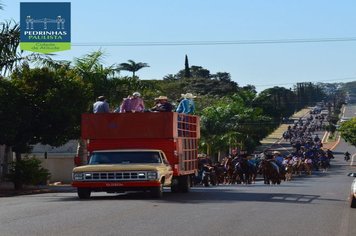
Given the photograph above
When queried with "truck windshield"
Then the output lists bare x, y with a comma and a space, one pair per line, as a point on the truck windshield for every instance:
124, 157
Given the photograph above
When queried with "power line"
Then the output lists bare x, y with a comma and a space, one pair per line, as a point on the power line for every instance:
293, 83
208, 43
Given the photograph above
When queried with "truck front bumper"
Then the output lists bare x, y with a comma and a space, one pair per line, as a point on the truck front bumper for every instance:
124, 184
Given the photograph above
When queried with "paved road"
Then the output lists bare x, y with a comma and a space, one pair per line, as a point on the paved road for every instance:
315, 205
350, 110
309, 205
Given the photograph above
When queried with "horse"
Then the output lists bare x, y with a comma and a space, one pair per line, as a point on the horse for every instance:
253, 171
297, 166
270, 172
229, 171
220, 173
242, 171
324, 165
308, 166
289, 171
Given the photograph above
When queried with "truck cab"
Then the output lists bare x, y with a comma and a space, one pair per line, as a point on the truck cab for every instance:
120, 170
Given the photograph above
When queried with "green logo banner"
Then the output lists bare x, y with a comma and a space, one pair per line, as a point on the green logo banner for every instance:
45, 27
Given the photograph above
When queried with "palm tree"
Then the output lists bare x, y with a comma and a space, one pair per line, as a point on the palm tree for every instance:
10, 56
133, 66
91, 69
9, 42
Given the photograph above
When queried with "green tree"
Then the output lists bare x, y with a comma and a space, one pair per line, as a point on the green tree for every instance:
10, 56
201, 82
91, 69
276, 102
348, 131
14, 113
186, 68
230, 122
9, 42
55, 101
132, 66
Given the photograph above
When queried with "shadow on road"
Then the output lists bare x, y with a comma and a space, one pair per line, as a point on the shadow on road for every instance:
205, 195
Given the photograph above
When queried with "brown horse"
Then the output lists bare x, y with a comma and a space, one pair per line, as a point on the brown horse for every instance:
220, 173
270, 172
289, 172
298, 167
307, 166
246, 171
230, 177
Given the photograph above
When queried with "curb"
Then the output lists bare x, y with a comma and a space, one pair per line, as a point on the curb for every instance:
10, 192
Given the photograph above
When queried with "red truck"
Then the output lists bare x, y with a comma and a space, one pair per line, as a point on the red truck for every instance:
138, 151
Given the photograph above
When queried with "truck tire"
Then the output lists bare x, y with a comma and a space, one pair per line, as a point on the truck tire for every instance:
83, 193
175, 185
352, 201
184, 183
157, 192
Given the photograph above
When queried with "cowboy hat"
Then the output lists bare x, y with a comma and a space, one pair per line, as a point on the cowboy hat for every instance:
161, 98
136, 94
188, 95
101, 98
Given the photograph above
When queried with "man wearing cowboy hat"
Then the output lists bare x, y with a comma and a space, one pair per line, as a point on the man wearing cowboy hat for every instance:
101, 105
187, 105
162, 104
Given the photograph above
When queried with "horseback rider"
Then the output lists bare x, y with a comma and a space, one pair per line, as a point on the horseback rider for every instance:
329, 154
347, 156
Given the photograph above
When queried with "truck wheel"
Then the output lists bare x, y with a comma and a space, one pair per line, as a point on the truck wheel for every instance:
175, 185
352, 201
83, 193
157, 192
184, 184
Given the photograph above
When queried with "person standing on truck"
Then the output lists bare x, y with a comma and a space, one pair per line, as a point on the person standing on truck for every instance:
133, 104
101, 105
124, 105
162, 105
186, 105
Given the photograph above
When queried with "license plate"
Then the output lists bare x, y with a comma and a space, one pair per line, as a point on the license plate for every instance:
114, 184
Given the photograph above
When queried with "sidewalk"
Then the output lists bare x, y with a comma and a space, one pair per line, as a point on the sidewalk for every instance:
7, 189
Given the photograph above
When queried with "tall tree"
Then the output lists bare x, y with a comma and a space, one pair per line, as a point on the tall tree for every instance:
9, 42
186, 68
231, 122
93, 72
55, 101
132, 66
277, 102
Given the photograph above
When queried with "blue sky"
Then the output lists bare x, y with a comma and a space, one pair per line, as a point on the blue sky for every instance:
264, 65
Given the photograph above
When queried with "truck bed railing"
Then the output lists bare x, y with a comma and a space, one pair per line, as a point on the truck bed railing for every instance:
140, 125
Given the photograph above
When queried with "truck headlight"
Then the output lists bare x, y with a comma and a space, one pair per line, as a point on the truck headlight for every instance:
78, 176
152, 175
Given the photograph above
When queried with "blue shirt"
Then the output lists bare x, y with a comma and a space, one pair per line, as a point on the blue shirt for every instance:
101, 107
279, 159
186, 106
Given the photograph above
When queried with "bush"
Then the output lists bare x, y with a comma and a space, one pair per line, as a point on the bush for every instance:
333, 119
28, 171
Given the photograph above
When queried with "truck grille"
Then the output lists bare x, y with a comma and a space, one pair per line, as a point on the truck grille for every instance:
115, 176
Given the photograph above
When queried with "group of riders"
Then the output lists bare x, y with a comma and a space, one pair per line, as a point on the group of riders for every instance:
307, 156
